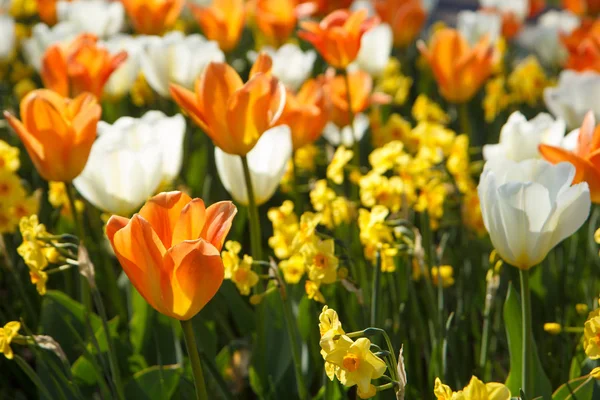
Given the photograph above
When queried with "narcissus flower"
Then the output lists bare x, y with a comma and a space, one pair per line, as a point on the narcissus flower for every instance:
458, 69
57, 132
591, 335
406, 17
222, 21
171, 251
232, 113
306, 113
7, 334
529, 207
79, 66
582, 149
338, 36
153, 17
475, 390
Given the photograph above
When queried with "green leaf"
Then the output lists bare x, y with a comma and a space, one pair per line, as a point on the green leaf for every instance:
580, 388
58, 309
140, 322
154, 383
514, 334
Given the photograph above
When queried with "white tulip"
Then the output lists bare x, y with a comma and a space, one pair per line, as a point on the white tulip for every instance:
130, 159
291, 65
575, 94
42, 37
175, 58
375, 49
267, 162
123, 78
519, 138
7, 37
543, 39
474, 25
100, 17
529, 207
519, 8
337, 136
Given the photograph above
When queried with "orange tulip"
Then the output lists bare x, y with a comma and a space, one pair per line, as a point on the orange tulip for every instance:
458, 69
79, 66
406, 17
337, 37
306, 113
232, 113
223, 22
583, 45
57, 132
361, 86
153, 17
171, 251
585, 157
276, 19
582, 7
47, 11
324, 7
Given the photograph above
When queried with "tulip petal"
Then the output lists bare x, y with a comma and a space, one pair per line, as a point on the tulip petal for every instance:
54, 70
162, 212
197, 276
188, 102
140, 253
219, 218
191, 222
263, 64
556, 154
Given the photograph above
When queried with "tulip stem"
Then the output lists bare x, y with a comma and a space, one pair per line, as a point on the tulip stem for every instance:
465, 122
356, 147
526, 373
291, 328
375, 289
192, 349
252, 214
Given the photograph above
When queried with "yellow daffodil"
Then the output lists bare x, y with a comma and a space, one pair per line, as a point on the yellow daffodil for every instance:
373, 230
243, 276
306, 229
581, 308
591, 335
285, 227
10, 187
293, 268
230, 257
552, 328
304, 157
7, 334
321, 261
329, 322
321, 195
475, 390
527, 82
313, 292
357, 364
9, 157
425, 110
447, 274
335, 169
395, 128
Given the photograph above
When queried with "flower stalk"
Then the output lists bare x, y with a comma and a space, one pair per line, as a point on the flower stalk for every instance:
192, 349
527, 376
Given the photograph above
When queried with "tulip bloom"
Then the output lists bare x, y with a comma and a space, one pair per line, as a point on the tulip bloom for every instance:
406, 17
458, 69
223, 22
171, 251
153, 17
47, 11
529, 207
275, 19
582, 149
103, 18
57, 132
583, 45
361, 86
306, 113
582, 7
79, 66
337, 37
267, 161
232, 113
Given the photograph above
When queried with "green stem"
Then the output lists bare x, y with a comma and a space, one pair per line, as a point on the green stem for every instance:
356, 147
192, 349
291, 328
465, 122
375, 289
527, 377
114, 365
297, 195
255, 233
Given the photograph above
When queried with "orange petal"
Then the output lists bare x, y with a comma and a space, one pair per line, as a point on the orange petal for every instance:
54, 70
188, 102
219, 217
197, 276
556, 154
140, 253
162, 212
262, 64
190, 223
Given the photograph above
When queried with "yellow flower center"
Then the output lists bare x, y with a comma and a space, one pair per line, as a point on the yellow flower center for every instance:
241, 275
4, 188
351, 362
320, 261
